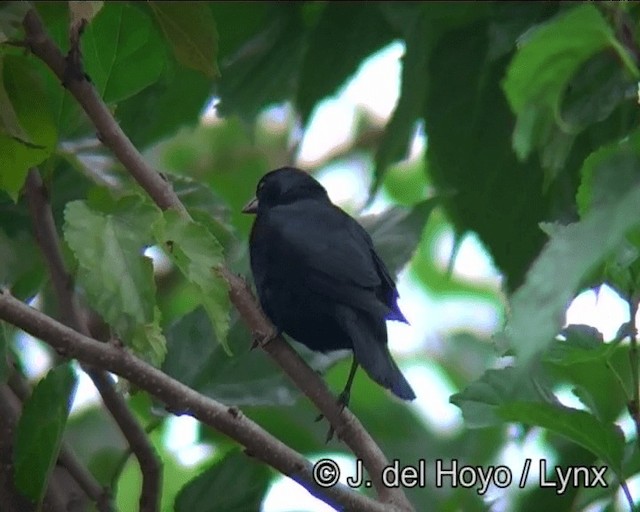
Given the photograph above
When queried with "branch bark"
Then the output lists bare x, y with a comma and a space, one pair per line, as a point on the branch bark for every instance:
69, 310
345, 423
179, 397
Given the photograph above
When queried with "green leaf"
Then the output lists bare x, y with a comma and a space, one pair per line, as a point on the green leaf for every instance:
235, 484
603, 439
197, 196
483, 186
482, 400
148, 341
198, 255
242, 20
397, 232
538, 307
191, 32
27, 133
265, 69
596, 89
21, 265
598, 372
550, 53
122, 51
510, 394
608, 172
9, 122
40, 428
548, 57
358, 30
176, 99
108, 238
248, 378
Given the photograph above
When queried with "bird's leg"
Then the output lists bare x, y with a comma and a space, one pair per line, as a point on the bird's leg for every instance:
344, 397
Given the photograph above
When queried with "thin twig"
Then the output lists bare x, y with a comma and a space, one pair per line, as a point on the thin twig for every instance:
109, 130
85, 480
47, 238
347, 426
178, 397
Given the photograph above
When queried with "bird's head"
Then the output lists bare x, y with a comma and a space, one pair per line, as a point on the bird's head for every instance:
283, 186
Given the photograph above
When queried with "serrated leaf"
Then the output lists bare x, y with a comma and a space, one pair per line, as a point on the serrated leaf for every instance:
603, 439
235, 484
198, 255
550, 53
608, 172
191, 32
28, 135
40, 428
481, 401
548, 57
108, 238
148, 341
538, 306
122, 51
599, 374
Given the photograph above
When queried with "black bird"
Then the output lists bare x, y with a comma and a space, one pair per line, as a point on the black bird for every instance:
318, 276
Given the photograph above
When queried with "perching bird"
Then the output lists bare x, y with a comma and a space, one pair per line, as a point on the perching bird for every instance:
319, 279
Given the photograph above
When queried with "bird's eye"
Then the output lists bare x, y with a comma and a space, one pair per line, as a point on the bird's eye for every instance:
260, 186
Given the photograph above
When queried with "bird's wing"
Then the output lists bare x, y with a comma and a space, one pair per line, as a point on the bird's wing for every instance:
333, 254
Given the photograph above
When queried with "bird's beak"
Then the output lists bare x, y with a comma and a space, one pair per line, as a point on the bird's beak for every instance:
251, 206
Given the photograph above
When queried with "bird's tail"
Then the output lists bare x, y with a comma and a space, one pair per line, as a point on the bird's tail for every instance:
369, 338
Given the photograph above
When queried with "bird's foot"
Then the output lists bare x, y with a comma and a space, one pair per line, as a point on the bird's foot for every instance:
260, 339
342, 402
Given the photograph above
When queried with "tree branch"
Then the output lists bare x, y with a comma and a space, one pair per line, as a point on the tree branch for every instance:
344, 422
69, 309
179, 397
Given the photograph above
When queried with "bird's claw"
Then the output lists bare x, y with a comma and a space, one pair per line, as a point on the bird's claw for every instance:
260, 339
342, 402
